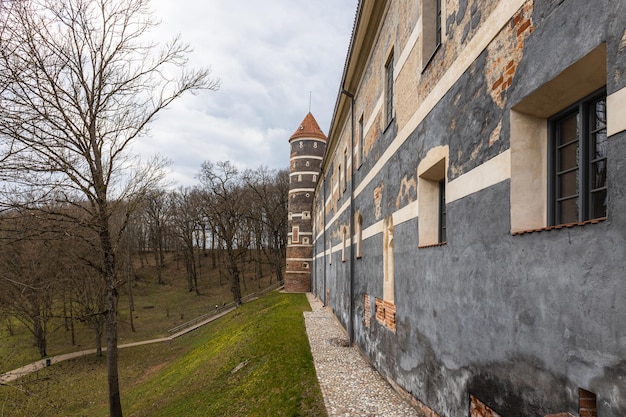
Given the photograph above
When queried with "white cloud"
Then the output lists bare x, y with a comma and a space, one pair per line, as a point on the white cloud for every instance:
269, 55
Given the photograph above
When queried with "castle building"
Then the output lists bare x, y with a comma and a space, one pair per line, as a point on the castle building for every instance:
470, 221
308, 144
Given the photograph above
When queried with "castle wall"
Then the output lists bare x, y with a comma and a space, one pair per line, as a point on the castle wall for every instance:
500, 317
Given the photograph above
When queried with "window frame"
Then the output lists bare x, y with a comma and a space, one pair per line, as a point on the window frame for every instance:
432, 30
389, 90
583, 109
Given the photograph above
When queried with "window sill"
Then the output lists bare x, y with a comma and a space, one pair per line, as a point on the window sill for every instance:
434, 245
559, 226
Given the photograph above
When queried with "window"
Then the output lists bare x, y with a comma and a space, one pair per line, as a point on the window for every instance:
361, 143
294, 234
578, 189
389, 89
345, 164
299, 177
340, 180
432, 29
539, 126
431, 192
305, 240
442, 211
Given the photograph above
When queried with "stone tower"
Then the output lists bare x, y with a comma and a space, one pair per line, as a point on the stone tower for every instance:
308, 144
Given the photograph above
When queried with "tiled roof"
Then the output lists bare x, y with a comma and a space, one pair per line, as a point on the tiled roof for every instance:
309, 129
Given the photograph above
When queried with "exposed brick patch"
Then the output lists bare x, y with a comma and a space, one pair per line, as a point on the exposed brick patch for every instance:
505, 53
480, 409
367, 312
386, 313
587, 403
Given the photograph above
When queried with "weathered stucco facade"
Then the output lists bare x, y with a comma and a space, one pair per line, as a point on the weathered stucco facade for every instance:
443, 236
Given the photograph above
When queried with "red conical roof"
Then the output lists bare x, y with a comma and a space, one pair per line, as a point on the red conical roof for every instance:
308, 129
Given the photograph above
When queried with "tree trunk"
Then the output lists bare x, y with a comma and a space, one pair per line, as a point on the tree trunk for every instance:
98, 340
233, 271
115, 403
195, 274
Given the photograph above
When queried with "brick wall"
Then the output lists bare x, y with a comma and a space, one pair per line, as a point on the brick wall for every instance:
386, 313
480, 409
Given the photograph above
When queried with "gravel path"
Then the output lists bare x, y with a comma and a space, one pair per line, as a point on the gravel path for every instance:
351, 387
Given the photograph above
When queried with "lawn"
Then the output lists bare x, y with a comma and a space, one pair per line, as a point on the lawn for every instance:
256, 361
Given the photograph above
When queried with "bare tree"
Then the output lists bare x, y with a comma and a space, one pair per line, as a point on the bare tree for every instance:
156, 216
77, 85
185, 217
270, 193
224, 203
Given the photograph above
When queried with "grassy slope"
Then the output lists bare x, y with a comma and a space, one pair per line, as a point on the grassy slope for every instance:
157, 309
194, 375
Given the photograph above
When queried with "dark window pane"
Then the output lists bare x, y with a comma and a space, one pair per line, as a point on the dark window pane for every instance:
568, 156
598, 204
568, 184
568, 129
568, 211
598, 110
442, 211
598, 144
598, 174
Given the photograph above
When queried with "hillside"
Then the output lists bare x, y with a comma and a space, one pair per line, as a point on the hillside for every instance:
254, 362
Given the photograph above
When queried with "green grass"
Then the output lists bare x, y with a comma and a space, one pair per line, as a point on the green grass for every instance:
254, 362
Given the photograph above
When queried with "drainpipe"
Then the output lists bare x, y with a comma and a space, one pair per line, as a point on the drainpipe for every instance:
351, 320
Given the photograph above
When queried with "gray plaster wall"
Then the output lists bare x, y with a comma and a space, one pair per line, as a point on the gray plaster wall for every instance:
519, 321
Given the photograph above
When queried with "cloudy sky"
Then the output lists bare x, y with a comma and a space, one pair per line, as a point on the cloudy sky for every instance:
269, 55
